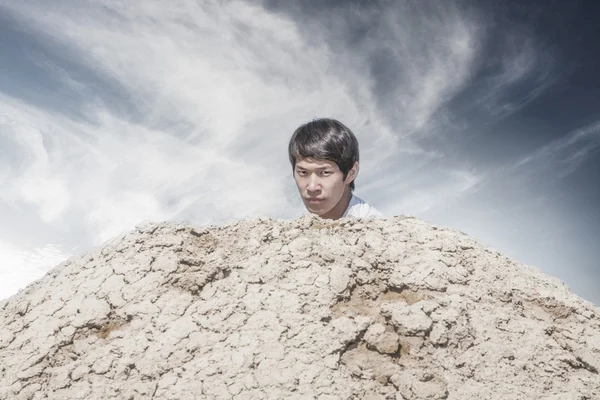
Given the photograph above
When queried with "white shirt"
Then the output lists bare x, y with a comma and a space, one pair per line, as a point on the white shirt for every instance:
359, 209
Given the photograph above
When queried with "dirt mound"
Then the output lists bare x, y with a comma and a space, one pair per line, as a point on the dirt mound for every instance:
264, 309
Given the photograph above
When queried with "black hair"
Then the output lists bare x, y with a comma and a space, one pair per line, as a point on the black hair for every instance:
325, 139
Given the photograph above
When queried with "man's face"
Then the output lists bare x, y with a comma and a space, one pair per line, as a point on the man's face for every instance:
321, 184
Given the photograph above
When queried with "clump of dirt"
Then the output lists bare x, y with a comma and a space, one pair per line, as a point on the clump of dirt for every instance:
266, 309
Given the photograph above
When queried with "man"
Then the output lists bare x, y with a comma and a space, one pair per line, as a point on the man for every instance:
324, 156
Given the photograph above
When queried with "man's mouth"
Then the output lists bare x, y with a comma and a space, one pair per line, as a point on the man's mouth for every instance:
314, 200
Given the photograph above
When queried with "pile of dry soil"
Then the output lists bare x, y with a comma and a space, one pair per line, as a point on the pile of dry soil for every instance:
302, 309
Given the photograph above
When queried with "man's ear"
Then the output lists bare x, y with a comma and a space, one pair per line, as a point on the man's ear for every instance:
352, 174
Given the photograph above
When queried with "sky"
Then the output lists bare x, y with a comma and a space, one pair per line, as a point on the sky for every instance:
479, 116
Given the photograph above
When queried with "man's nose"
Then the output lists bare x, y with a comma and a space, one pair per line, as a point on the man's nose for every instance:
313, 184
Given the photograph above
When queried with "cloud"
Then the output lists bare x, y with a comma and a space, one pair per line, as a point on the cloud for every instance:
118, 173
216, 74
183, 110
565, 154
517, 71
20, 266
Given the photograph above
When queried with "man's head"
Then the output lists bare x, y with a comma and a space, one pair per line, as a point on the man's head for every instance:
324, 157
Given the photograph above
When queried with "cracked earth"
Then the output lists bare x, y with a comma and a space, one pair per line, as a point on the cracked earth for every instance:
303, 309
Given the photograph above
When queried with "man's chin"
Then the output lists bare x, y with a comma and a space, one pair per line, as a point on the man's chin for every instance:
318, 210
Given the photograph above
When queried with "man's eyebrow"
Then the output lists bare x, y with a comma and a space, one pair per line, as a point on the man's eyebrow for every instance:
325, 167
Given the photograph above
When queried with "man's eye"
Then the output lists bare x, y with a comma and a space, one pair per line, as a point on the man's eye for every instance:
326, 173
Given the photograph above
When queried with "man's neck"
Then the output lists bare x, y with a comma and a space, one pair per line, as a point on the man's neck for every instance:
340, 208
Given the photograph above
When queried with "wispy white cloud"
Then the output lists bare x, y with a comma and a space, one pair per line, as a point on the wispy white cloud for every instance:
516, 71
26, 265
565, 154
120, 173
436, 54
